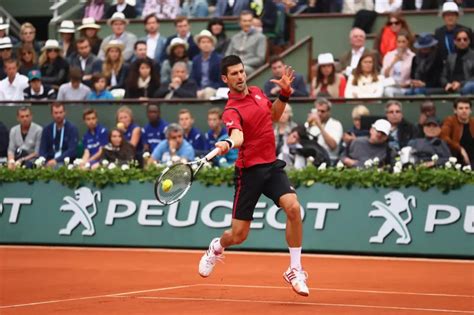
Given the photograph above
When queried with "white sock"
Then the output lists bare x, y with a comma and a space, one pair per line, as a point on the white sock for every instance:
217, 247
295, 257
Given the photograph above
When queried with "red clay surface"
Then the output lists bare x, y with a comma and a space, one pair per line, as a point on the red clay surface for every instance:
48, 280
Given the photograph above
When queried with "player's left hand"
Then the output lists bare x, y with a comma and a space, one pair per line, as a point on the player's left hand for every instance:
285, 81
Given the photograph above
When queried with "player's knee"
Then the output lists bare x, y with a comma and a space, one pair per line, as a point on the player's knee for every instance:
293, 211
238, 237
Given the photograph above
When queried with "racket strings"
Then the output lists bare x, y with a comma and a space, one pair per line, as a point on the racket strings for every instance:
181, 176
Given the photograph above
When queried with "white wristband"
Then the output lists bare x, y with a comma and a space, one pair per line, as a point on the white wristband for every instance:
230, 142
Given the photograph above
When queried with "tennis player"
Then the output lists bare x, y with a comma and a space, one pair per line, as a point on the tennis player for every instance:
249, 117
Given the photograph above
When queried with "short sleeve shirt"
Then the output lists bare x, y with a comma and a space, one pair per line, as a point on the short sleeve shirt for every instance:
93, 141
153, 135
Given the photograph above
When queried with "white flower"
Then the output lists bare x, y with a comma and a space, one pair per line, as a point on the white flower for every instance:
207, 165
40, 161
70, 167
175, 159
435, 157
125, 167
67, 160
146, 155
340, 165
222, 160
453, 160
397, 170
466, 168
448, 165
87, 165
194, 167
457, 166
310, 160
17, 163
112, 166
322, 166
368, 163
169, 163
376, 161
105, 163
77, 162
398, 164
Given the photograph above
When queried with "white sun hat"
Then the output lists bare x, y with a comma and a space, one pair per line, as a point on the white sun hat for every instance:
67, 26
325, 59
88, 22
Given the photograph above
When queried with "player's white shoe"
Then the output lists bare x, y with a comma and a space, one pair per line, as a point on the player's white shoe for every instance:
297, 279
209, 260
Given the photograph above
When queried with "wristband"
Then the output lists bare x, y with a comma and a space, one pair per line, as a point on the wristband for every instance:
285, 93
283, 98
230, 143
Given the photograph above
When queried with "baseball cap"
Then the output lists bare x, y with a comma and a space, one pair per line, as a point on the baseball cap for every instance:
432, 120
34, 74
382, 125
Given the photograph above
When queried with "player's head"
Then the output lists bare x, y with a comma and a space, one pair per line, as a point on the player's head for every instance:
153, 113
214, 118
185, 119
90, 118
233, 73
174, 132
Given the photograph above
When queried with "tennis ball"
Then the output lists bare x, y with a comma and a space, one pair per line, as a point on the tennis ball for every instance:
120, 125
167, 185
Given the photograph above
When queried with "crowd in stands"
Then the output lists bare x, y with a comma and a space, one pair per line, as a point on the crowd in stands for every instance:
186, 65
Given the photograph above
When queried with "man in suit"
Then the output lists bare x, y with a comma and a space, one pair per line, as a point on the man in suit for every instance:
155, 42
140, 52
349, 60
85, 60
278, 67
183, 31
118, 23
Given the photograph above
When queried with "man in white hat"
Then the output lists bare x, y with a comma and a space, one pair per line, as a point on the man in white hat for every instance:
118, 22
206, 66
90, 29
5, 54
4, 26
445, 34
278, 67
11, 88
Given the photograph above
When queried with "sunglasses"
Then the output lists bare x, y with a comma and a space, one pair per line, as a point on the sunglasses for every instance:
27, 53
394, 23
50, 50
394, 112
462, 39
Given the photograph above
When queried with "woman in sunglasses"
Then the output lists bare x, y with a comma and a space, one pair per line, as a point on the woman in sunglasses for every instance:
387, 38
54, 68
27, 58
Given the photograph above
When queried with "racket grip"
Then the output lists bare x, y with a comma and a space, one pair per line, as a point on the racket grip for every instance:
212, 154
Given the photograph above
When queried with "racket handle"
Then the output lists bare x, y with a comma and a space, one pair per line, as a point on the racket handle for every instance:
212, 154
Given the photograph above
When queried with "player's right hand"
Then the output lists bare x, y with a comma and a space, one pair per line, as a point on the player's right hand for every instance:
223, 147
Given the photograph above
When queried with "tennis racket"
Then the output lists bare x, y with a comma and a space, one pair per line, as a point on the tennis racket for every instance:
176, 179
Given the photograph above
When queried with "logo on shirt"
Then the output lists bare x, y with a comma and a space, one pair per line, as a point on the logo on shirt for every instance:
258, 97
230, 123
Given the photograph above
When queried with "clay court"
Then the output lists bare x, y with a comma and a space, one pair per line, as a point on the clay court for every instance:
74, 280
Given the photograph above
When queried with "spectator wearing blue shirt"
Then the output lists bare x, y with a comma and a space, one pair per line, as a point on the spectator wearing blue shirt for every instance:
95, 138
99, 91
131, 131
191, 134
59, 139
174, 148
154, 132
216, 129
206, 66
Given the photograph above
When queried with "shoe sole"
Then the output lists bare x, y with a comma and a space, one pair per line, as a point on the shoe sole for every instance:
299, 293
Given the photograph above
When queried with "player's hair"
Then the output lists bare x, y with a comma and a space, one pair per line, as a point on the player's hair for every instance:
150, 16
57, 105
466, 100
229, 61
173, 127
124, 109
180, 19
323, 101
87, 112
393, 102
23, 109
185, 111
360, 110
82, 40
215, 110
153, 105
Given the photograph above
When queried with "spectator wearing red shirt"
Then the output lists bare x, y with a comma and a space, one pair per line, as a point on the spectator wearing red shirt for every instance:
249, 117
387, 38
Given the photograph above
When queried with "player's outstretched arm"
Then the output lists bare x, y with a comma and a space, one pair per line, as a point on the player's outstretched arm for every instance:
234, 141
285, 92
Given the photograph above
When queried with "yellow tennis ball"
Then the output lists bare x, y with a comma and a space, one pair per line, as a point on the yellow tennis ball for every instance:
121, 125
167, 185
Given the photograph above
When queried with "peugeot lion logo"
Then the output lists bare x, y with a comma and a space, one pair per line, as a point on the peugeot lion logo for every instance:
391, 210
85, 198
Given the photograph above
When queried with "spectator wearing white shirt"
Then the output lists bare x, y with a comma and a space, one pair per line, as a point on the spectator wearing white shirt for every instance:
155, 42
365, 81
11, 88
73, 90
349, 60
387, 6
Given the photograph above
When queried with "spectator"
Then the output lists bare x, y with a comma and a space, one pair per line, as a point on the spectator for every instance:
118, 150
85, 60
54, 68
155, 42
424, 148
123, 7
73, 90
140, 53
401, 131
194, 8
5, 54
249, 45
427, 110
3, 143
458, 70
365, 82
12, 87
354, 6
410, 5
367, 148
387, 38
154, 132
27, 58
217, 28
142, 82
290, 150
95, 138
28, 36
327, 82
59, 139
37, 91
180, 86
356, 130
177, 52
191, 134
349, 61
206, 66
164, 9
458, 131
231, 8
98, 89
445, 34
95, 9
89, 29
68, 43
175, 148
278, 67
183, 31
426, 67
132, 132
118, 23
25, 139
114, 67
384, 6
216, 128
4, 26
326, 129
397, 66
283, 127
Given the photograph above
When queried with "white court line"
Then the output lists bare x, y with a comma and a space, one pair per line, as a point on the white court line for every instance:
96, 296
401, 308
237, 252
